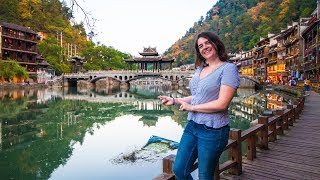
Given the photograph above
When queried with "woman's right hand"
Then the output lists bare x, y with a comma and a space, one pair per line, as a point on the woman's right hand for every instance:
166, 100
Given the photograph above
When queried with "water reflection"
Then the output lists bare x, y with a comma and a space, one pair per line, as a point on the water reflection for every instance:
65, 133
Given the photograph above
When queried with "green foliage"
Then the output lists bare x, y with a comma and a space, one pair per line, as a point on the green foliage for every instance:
8, 11
241, 23
50, 49
11, 109
20, 71
10, 68
6, 70
103, 57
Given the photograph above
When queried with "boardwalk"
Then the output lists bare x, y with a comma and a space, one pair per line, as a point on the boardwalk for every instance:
295, 155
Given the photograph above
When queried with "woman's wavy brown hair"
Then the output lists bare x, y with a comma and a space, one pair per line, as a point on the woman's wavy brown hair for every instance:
216, 42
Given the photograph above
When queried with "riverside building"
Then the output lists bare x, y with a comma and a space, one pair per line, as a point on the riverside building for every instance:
21, 44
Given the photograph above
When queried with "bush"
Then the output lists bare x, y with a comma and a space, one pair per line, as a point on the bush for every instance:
10, 68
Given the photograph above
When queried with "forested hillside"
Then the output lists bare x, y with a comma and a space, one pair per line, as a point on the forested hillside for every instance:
54, 17
241, 23
49, 16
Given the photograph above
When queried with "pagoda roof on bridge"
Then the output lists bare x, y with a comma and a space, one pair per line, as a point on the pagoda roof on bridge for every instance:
149, 59
149, 52
149, 55
77, 59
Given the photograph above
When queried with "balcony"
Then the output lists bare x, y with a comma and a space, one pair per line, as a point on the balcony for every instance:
19, 49
20, 37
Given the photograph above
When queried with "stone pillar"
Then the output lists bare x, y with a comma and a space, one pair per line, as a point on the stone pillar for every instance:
65, 83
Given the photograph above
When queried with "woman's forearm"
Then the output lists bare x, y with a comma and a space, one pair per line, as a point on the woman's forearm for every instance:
210, 107
222, 103
225, 96
184, 99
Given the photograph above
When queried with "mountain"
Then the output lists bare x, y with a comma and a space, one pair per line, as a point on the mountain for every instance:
240, 24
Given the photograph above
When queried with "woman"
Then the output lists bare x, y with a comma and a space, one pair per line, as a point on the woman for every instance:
212, 88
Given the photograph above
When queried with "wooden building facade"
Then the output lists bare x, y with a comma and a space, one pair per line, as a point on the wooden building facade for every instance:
311, 50
294, 53
21, 44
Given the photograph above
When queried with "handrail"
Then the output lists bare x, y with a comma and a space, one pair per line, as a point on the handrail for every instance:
267, 130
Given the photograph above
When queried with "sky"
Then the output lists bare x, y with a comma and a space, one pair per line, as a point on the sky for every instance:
131, 25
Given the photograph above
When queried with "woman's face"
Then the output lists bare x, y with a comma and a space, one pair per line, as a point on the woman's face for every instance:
206, 48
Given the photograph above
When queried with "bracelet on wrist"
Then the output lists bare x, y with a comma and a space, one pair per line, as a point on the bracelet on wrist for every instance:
174, 103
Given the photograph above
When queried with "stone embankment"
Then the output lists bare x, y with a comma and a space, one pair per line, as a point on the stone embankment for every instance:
12, 86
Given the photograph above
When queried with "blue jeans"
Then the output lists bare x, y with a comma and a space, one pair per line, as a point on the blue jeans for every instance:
204, 143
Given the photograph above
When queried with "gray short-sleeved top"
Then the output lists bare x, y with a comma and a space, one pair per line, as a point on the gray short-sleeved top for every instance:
207, 89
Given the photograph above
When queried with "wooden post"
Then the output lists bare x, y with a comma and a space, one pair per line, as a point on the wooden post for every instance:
234, 153
167, 164
301, 99
263, 133
286, 121
291, 114
272, 127
296, 110
251, 147
279, 112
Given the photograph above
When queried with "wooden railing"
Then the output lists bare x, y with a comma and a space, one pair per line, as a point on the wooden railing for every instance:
267, 130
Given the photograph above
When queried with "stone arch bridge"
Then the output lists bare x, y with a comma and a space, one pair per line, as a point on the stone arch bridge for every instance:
127, 76
124, 76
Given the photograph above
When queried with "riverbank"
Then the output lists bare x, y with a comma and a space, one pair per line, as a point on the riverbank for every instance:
14, 86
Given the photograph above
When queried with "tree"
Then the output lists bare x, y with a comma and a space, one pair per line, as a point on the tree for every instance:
10, 68
103, 57
53, 53
20, 71
8, 11
6, 70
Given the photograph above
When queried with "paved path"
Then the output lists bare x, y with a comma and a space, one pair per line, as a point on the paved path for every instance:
296, 155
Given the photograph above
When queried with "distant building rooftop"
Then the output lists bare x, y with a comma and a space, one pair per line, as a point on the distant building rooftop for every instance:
17, 27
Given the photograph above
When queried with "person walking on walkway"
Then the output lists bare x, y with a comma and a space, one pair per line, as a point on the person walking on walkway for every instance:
212, 88
307, 86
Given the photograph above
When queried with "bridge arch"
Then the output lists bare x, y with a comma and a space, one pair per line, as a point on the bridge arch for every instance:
95, 79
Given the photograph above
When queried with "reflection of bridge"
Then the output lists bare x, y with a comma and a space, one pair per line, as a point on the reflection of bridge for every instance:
127, 76
121, 97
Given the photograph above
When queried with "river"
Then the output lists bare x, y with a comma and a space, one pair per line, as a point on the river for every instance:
80, 134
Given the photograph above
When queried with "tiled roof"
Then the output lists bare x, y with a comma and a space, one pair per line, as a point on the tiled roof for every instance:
16, 27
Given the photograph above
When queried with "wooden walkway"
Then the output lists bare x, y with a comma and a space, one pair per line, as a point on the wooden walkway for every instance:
296, 155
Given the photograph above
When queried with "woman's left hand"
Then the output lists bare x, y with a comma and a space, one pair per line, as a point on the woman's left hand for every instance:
185, 106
